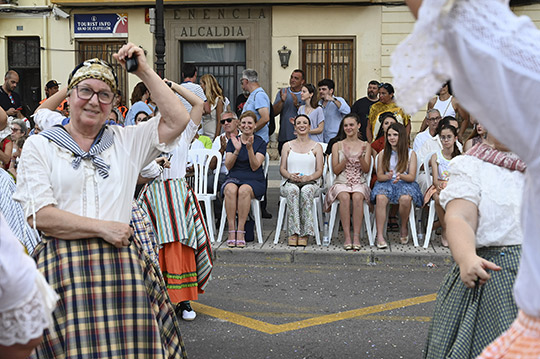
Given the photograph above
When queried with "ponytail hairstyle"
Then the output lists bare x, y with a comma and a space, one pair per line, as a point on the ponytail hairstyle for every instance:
314, 103
402, 149
446, 126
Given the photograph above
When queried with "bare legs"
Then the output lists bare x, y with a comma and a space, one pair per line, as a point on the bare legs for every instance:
405, 203
381, 202
345, 215
440, 215
237, 200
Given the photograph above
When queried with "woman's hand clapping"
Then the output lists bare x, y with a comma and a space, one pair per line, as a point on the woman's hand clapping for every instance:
236, 143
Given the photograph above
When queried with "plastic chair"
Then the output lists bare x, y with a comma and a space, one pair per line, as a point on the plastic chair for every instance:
201, 159
412, 217
255, 209
335, 204
431, 213
316, 210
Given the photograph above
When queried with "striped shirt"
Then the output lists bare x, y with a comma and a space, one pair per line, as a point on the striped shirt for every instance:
14, 214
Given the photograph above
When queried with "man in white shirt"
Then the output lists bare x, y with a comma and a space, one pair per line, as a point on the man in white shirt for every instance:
433, 116
229, 124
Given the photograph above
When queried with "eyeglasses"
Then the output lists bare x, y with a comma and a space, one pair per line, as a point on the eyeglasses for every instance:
434, 118
229, 120
85, 93
447, 138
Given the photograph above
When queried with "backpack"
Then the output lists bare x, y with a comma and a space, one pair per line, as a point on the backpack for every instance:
272, 121
272, 118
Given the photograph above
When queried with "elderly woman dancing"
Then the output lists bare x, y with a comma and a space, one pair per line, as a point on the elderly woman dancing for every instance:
76, 183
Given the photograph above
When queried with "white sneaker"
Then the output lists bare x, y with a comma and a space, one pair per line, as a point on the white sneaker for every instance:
189, 315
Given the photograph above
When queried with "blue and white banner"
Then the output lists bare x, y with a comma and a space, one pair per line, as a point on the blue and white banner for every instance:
100, 25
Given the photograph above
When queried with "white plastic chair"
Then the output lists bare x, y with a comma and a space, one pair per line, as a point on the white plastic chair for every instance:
201, 159
431, 213
316, 210
335, 204
255, 209
412, 217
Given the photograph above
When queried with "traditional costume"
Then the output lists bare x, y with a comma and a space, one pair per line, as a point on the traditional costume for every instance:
103, 289
473, 42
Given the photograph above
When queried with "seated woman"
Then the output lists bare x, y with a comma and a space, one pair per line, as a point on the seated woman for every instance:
301, 168
475, 137
351, 160
245, 156
377, 145
440, 164
396, 174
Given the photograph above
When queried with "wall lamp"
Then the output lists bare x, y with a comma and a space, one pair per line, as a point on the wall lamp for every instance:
284, 56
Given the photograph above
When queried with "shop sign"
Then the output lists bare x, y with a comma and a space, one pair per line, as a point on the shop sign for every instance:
100, 25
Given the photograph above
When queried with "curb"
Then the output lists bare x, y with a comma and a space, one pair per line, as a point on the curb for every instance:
366, 257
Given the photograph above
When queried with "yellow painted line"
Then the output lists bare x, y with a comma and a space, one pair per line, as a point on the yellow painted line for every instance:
398, 318
320, 320
234, 318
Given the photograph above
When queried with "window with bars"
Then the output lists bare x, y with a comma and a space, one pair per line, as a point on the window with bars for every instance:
105, 51
333, 59
24, 57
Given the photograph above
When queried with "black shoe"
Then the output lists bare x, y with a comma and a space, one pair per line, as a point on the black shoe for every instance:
266, 214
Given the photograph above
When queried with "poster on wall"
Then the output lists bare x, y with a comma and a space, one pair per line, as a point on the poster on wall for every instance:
100, 25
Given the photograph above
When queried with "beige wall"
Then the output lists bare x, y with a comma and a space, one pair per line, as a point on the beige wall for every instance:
290, 24
56, 36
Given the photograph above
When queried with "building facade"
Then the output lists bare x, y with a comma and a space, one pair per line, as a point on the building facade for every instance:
350, 41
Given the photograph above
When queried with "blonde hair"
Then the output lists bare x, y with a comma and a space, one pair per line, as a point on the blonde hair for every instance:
212, 90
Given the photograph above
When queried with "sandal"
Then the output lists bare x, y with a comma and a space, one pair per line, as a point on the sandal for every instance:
241, 242
382, 245
302, 241
392, 224
293, 241
231, 242
356, 246
404, 240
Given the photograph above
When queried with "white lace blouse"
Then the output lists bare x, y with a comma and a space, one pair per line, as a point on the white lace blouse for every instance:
46, 177
26, 300
496, 191
493, 59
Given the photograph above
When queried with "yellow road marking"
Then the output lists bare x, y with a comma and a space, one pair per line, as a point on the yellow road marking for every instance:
398, 318
320, 320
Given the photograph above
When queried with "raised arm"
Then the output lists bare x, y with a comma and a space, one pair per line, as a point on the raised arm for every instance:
174, 116
54, 101
195, 101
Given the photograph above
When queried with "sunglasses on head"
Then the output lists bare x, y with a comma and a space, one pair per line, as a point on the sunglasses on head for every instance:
229, 120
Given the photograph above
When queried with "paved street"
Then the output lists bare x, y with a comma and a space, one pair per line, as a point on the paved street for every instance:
305, 310
273, 301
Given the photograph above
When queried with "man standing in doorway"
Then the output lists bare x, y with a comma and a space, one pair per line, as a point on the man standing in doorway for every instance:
10, 101
286, 105
258, 102
361, 108
334, 108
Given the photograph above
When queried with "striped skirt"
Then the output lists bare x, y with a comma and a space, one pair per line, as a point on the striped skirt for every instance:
176, 216
466, 320
113, 303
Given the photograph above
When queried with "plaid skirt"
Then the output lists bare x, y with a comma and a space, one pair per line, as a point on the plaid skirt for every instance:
466, 320
143, 230
176, 216
113, 303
